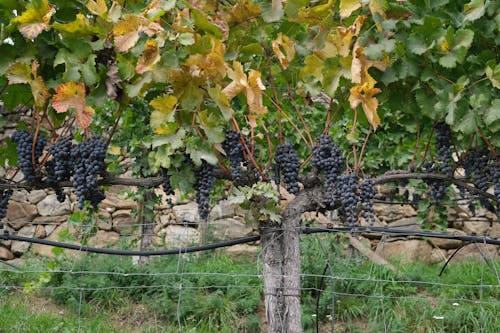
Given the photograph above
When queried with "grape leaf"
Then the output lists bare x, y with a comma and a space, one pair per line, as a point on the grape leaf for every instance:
149, 57
348, 6
474, 10
19, 73
492, 113
363, 94
35, 19
273, 11
221, 100
97, 7
284, 49
493, 75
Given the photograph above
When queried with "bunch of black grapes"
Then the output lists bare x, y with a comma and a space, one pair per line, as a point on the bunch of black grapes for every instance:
328, 159
24, 151
443, 142
367, 195
476, 167
167, 187
52, 180
437, 187
234, 152
347, 191
61, 157
288, 163
4, 201
495, 173
205, 179
59, 168
88, 163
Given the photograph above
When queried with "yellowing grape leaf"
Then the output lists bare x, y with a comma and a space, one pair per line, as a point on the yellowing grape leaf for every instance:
363, 94
128, 29
254, 94
313, 67
35, 19
163, 113
252, 88
149, 57
69, 95
210, 66
244, 10
39, 91
97, 7
84, 118
165, 104
126, 32
19, 72
80, 26
348, 6
284, 49
344, 35
361, 64
239, 81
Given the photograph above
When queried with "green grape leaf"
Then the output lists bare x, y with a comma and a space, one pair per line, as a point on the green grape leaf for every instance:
492, 114
416, 45
203, 24
377, 51
494, 75
200, 150
474, 10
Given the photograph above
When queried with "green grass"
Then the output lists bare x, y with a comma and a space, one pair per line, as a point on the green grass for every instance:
232, 301
18, 314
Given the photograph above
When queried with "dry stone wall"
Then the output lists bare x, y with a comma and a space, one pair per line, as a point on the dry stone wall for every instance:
39, 214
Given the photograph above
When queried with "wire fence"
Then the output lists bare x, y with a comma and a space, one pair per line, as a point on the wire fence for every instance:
337, 287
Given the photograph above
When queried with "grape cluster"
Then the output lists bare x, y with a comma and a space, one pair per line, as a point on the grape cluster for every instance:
234, 152
288, 162
24, 151
348, 194
88, 163
167, 187
367, 194
61, 157
4, 201
328, 160
437, 187
495, 173
476, 167
205, 179
443, 146
52, 180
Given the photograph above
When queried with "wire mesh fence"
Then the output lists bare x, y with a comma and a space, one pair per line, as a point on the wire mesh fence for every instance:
341, 291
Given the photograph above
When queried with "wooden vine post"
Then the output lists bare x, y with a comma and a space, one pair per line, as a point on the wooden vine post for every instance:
281, 264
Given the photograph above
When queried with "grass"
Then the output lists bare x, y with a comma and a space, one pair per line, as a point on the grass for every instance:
189, 293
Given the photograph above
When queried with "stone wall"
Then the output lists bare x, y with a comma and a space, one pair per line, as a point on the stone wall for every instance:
39, 214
